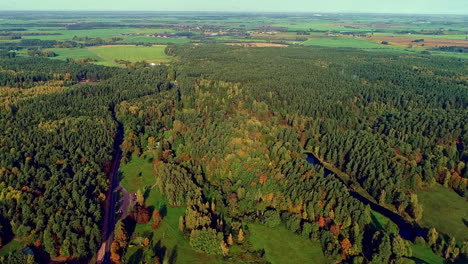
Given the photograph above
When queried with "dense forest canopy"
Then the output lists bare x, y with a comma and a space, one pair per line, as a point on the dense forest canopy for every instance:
229, 128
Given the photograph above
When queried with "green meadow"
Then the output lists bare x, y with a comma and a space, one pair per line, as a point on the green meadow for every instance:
137, 173
131, 53
446, 211
341, 43
283, 246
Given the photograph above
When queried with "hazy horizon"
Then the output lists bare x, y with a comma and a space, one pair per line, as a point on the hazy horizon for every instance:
453, 7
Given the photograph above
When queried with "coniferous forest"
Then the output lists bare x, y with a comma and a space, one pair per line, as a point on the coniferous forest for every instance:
333, 145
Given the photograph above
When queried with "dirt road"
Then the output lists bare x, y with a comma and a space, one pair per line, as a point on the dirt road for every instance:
110, 212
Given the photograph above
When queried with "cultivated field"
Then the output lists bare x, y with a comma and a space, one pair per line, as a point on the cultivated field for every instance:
410, 41
131, 53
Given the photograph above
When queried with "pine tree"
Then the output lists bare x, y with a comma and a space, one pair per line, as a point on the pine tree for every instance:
240, 236
157, 218
140, 199
230, 241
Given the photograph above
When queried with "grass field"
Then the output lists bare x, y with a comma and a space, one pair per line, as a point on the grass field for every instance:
422, 36
91, 33
341, 42
291, 249
152, 40
131, 53
446, 211
137, 173
425, 255
74, 53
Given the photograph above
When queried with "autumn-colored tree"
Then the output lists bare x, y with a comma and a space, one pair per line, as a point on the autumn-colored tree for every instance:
157, 218
141, 214
146, 242
38, 243
224, 247
157, 260
120, 232
230, 241
181, 224
321, 221
345, 246
127, 146
140, 199
432, 236
115, 253
335, 230
240, 236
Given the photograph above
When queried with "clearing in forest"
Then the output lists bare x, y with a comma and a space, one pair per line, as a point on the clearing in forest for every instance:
292, 249
439, 202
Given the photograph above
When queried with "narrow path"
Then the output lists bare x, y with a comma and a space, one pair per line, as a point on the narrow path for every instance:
109, 213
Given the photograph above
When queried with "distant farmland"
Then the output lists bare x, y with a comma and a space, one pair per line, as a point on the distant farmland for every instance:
131, 53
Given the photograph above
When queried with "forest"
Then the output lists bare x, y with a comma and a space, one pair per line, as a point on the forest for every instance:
229, 129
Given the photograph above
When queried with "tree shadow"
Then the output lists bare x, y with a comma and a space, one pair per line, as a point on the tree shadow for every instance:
418, 260
163, 210
130, 225
159, 250
173, 256
146, 192
465, 222
136, 257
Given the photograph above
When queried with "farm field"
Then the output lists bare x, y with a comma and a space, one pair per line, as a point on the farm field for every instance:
439, 202
427, 43
342, 42
74, 53
131, 53
144, 39
292, 249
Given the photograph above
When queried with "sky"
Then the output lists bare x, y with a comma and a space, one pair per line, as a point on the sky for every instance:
361, 6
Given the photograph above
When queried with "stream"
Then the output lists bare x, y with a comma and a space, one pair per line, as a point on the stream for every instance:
407, 230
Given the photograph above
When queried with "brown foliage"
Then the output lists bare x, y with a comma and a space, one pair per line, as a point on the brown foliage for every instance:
335, 230
157, 218
115, 252
141, 214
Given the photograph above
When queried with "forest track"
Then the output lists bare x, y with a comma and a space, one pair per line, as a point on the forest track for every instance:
108, 223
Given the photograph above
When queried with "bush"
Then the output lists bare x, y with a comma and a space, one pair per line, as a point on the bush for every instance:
206, 240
